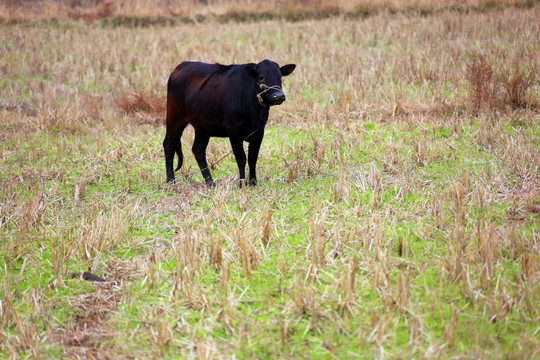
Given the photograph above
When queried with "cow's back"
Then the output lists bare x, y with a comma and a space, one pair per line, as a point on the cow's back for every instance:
198, 84
187, 78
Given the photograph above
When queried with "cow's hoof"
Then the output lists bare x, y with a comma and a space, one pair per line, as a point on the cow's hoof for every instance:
210, 183
171, 181
242, 183
253, 182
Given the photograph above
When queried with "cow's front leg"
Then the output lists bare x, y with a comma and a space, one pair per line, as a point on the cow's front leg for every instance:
253, 154
199, 150
240, 156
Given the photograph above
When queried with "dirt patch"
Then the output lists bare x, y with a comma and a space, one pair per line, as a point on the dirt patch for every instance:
526, 191
526, 198
89, 334
532, 209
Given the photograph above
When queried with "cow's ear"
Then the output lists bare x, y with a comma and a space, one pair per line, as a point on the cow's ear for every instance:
287, 69
252, 69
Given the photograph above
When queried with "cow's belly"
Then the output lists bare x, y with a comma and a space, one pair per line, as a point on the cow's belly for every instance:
208, 125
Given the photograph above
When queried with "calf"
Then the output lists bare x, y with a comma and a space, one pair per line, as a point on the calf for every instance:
225, 101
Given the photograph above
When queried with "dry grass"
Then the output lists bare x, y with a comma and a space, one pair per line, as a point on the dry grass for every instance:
510, 88
397, 213
194, 10
147, 107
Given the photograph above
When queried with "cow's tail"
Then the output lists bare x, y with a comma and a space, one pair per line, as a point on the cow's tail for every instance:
180, 158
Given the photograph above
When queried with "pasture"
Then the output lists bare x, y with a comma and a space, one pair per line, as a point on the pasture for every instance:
397, 212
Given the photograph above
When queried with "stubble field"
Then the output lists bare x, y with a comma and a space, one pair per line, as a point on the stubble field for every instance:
396, 216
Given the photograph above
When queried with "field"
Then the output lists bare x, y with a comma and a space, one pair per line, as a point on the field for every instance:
397, 212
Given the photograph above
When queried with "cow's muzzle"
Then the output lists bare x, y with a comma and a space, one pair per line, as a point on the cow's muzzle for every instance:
275, 97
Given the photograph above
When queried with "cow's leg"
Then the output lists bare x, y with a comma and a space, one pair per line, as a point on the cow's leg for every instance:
240, 155
253, 154
199, 150
171, 146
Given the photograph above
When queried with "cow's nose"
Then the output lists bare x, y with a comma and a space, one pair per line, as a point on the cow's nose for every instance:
278, 97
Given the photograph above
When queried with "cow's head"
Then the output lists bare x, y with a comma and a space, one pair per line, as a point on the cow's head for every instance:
267, 75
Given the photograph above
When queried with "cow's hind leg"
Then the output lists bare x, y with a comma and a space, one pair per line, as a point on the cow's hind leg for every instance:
171, 146
199, 150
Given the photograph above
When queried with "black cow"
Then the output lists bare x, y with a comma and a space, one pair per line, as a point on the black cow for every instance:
224, 101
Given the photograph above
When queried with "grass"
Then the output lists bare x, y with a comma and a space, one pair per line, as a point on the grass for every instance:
396, 216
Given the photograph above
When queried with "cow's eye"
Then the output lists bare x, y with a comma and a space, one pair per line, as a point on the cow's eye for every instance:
261, 78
